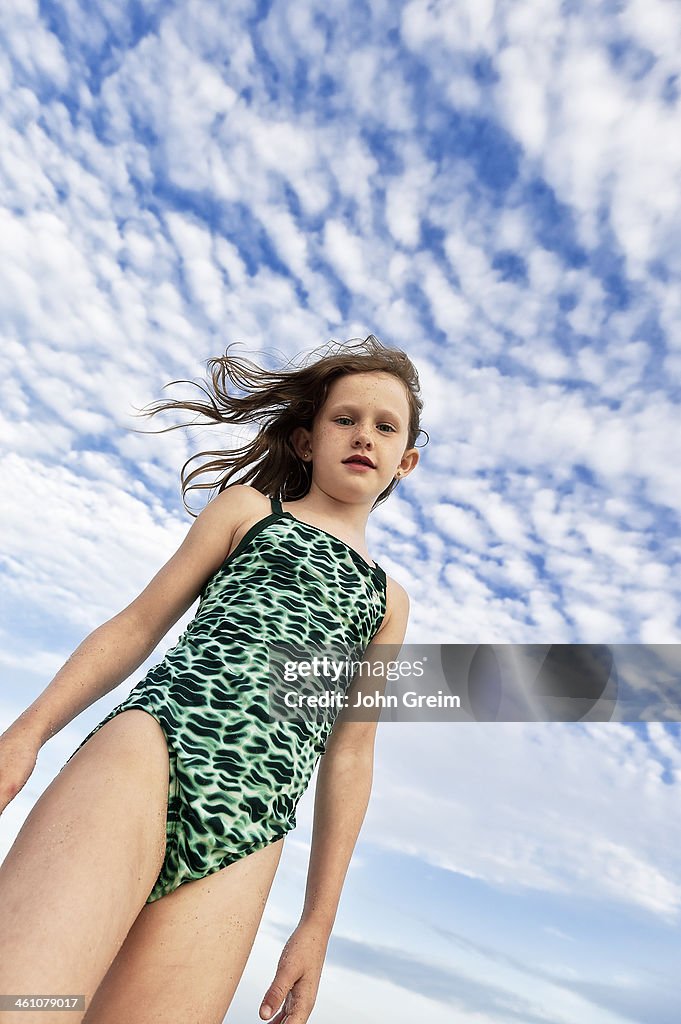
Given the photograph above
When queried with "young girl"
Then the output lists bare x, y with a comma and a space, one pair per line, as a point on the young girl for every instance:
140, 876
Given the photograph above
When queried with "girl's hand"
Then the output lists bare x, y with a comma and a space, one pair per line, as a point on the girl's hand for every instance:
297, 979
19, 749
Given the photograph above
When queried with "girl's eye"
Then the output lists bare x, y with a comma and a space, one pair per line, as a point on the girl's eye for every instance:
388, 425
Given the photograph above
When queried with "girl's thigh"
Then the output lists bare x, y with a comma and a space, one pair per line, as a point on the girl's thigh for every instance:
185, 954
84, 862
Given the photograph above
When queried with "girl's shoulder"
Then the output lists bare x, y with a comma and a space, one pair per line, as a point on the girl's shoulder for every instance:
396, 603
243, 499
243, 493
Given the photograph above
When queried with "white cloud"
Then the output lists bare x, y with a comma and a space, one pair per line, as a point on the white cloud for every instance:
543, 806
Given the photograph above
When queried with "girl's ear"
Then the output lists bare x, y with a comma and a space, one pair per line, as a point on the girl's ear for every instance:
300, 439
411, 457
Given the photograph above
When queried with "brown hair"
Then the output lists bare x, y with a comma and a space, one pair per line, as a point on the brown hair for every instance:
283, 400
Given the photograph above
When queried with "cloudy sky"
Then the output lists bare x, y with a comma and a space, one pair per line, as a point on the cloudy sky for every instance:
493, 187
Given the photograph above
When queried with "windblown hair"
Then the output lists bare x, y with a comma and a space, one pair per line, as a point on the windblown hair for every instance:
281, 400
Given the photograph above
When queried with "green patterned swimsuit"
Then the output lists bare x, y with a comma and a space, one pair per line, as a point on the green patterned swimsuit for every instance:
237, 773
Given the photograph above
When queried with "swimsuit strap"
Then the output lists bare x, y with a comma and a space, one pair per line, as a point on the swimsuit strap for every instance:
276, 507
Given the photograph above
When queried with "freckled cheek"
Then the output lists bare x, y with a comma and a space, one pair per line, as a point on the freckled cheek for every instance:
328, 436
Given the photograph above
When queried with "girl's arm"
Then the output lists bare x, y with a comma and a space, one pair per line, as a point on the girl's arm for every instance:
342, 795
108, 655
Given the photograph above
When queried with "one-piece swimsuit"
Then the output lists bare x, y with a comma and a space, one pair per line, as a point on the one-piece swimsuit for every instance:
236, 770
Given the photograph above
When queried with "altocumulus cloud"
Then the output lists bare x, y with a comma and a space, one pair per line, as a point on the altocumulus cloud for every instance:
491, 186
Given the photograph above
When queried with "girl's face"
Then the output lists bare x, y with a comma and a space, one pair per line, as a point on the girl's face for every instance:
367, 414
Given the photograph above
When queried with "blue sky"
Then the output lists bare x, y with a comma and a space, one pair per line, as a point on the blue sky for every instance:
493, 188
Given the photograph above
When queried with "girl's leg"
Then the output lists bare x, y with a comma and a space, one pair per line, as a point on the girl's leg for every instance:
83, 864
185, 954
